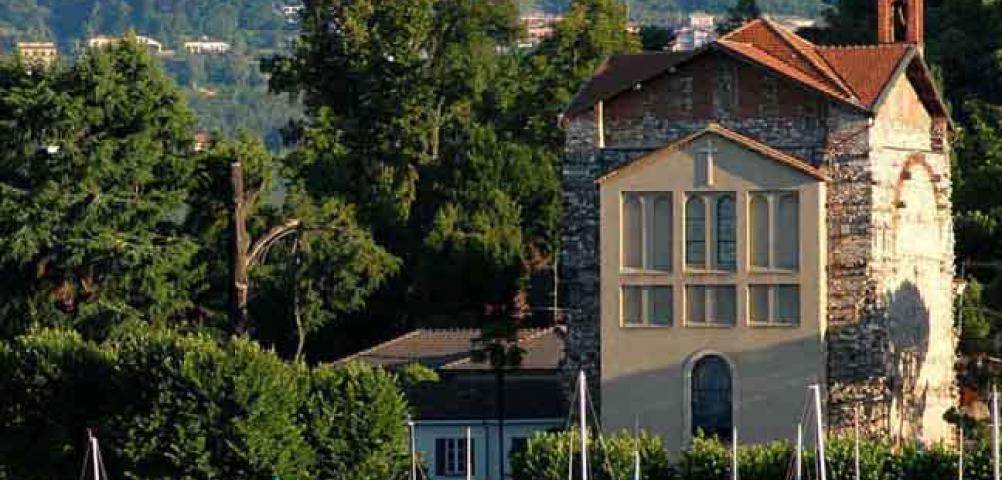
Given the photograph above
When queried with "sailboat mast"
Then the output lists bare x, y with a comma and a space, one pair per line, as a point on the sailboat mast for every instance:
856, 443
995, 433
800, 451
583, 419
410, 424
469, 455
734, 453
94, 455
822, 467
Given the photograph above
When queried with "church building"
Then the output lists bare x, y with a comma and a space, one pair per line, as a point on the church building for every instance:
758, 216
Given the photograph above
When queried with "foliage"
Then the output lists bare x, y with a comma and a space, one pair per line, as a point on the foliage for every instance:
660, 11
655, 38
94, 170
406, 103
742, 12
253, 22
172, 406
545, 456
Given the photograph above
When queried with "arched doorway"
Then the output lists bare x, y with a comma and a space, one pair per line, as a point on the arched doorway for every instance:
712, 397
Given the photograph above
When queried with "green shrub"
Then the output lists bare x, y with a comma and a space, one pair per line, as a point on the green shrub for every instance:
175, 406
545, 457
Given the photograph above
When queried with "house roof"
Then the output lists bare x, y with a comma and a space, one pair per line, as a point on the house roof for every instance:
714, 128
858, 76
452, 349
619, 73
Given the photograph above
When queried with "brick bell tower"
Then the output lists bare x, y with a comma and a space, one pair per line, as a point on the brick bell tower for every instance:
901, 21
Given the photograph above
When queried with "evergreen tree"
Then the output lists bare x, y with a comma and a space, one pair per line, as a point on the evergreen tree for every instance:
94, 170
406, 105
742, 12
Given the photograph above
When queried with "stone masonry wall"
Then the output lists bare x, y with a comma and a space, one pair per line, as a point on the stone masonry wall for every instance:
894, 372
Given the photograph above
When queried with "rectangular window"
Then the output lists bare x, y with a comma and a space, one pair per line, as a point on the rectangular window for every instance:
647, 231
450, 457
774, 223
647, 305
711, 304
774, 304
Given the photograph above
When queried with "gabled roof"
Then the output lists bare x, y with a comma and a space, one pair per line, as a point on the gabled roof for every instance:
714, 128
619, 73
857, 76
452, 349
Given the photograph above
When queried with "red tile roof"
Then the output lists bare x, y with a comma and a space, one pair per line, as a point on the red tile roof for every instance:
855, 75
866, 69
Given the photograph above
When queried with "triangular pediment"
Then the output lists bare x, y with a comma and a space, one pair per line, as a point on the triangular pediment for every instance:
716, 130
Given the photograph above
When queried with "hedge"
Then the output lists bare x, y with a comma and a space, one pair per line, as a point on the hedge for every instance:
545, 458
173, 406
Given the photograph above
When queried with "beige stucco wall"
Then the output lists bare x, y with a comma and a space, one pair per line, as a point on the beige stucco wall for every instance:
913, 263
643, 368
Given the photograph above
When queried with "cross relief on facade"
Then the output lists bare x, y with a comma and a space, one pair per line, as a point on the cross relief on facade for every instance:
704, 173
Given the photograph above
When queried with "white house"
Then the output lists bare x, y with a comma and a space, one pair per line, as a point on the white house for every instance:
466, 397
206, 46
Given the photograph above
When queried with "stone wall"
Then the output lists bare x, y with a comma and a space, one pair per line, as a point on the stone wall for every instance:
884, 269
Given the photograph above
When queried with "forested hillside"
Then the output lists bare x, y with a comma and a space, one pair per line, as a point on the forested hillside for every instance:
658, 11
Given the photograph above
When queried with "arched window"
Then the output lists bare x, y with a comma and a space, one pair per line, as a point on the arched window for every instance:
711, 398
661, 233
695, 232
759, 231
787, 232
633, 239
726, 233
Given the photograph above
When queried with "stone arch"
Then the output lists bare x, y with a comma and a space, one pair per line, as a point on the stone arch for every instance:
919, 313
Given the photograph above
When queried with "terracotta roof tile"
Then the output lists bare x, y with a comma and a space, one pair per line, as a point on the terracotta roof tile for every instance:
787, 48
866, 69
759, 56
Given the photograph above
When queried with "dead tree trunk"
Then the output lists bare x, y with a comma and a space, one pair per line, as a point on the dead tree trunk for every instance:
239, 246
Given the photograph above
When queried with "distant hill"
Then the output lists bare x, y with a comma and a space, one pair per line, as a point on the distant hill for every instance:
660, 11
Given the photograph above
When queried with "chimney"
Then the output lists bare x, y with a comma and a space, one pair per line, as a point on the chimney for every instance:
885, 22
915, 32
901, 21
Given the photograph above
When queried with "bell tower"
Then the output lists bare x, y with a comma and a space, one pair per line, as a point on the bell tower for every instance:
900, 21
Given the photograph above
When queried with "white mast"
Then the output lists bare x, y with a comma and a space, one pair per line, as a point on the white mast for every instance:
469, 455
94, 455
582, 392
995, 433
734, 453
636, 447
960, 455
410, 425
800, 451
822, 473
856, 445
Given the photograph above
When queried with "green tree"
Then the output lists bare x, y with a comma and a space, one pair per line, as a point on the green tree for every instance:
407, 105
167, 405
742, 12
95, 163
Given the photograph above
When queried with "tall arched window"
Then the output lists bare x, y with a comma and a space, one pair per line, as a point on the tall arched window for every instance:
787, 232
695, 232
759, 231
661, 233
726, 233
712, 408
633, 238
